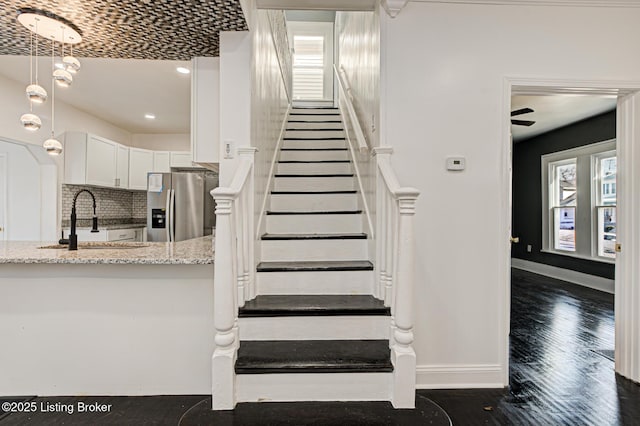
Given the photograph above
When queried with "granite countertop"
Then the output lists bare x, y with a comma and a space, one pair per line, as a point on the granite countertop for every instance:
197, 251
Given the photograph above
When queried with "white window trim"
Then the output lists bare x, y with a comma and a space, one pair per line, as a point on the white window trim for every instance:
584, 170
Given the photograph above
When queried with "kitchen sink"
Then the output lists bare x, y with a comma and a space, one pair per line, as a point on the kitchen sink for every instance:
98, 245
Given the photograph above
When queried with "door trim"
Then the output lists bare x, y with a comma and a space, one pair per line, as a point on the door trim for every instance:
4, 195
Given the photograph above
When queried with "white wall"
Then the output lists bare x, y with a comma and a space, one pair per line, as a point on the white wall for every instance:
13, 103
235, 97
269, 99
106, 329
162, 141
443, 85
31, 211
358, 47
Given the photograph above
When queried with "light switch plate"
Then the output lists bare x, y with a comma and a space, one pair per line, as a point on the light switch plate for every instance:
456, 163
228, 149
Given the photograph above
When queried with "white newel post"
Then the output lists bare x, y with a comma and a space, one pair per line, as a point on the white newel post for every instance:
224, 305
403, 355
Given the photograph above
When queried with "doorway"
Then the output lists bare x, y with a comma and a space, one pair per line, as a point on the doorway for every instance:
627, 275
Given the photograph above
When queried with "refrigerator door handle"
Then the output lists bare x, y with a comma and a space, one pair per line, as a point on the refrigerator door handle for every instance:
168, 216
172, 219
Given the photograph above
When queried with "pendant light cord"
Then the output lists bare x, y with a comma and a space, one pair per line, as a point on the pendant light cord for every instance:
36, 36
53, 87
30, 66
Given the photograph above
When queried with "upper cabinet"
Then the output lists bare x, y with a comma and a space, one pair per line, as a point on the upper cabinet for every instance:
205, 111
140, 163
161, 161
92, 160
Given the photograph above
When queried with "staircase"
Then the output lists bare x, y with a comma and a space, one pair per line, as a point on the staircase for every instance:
314, 332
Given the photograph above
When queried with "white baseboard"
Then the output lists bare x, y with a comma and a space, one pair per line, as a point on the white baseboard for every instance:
457, 376
586, 280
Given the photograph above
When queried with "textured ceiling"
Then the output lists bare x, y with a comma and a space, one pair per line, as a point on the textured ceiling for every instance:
130, 29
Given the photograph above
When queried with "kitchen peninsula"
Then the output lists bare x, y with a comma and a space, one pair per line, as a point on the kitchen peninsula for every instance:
107, 319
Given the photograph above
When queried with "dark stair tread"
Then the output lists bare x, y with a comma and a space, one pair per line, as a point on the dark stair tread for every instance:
314, 121
313, 149
348, 236
350, 191
316, 265
308, 175
313, 161
314, 107
314, 139
315, 130
313, 305
275, 213
313, 356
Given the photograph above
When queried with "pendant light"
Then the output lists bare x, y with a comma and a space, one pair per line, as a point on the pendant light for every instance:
30, 121
52, 145
61, 76
35, 92
57, 29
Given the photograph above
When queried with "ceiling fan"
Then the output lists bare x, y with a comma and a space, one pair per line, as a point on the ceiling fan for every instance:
522, 122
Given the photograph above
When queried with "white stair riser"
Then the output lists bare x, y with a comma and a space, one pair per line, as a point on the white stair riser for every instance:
311, 168
315, 111
299, 250
316, 125
316, 117
314, 223
315, 328
314, 183
322, 143
310, 202
313, 155
313, 134
314, 387
315, 282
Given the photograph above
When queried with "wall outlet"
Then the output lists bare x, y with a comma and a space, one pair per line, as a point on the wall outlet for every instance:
228, 149
528, 248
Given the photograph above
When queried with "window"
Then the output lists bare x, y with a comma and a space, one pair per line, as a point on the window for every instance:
563, 200
312, 61
579, 202
606, 169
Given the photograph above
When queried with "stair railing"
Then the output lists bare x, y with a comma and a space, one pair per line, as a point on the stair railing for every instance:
395, 265
233, 272
347, 96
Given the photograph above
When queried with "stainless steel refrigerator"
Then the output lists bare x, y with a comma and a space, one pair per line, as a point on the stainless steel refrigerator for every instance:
179, 205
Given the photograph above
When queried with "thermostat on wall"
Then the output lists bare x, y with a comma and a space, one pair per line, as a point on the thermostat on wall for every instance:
455, 163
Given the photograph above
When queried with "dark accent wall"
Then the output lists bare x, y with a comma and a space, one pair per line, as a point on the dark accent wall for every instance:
527, 191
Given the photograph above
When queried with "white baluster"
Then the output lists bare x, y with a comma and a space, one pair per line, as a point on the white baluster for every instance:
239, 240
248, 153
224, 305
403, 355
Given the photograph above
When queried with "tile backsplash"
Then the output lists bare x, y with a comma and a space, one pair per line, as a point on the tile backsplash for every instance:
113, 205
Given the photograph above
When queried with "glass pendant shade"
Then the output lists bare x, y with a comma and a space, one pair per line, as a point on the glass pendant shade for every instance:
63, 78
31, 121
36, 93
71, 64
52, 146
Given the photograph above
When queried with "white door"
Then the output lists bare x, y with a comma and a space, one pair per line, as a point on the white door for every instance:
312, 44
3, 196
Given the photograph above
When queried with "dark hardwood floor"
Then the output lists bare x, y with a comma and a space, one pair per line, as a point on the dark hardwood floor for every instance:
561, 374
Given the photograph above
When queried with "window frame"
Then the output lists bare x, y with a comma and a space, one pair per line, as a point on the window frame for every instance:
586, 197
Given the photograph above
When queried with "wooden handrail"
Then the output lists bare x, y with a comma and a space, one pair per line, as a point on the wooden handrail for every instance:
345, 92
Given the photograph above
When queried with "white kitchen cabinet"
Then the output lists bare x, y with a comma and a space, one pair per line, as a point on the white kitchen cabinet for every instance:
161, 162
122, 167
140, 163
181, 159
109, 235
92, 160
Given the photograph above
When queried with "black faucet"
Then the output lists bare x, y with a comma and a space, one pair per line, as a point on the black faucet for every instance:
73, 238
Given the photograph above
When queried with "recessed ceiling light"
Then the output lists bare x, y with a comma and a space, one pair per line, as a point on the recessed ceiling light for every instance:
183, 70
150, 116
